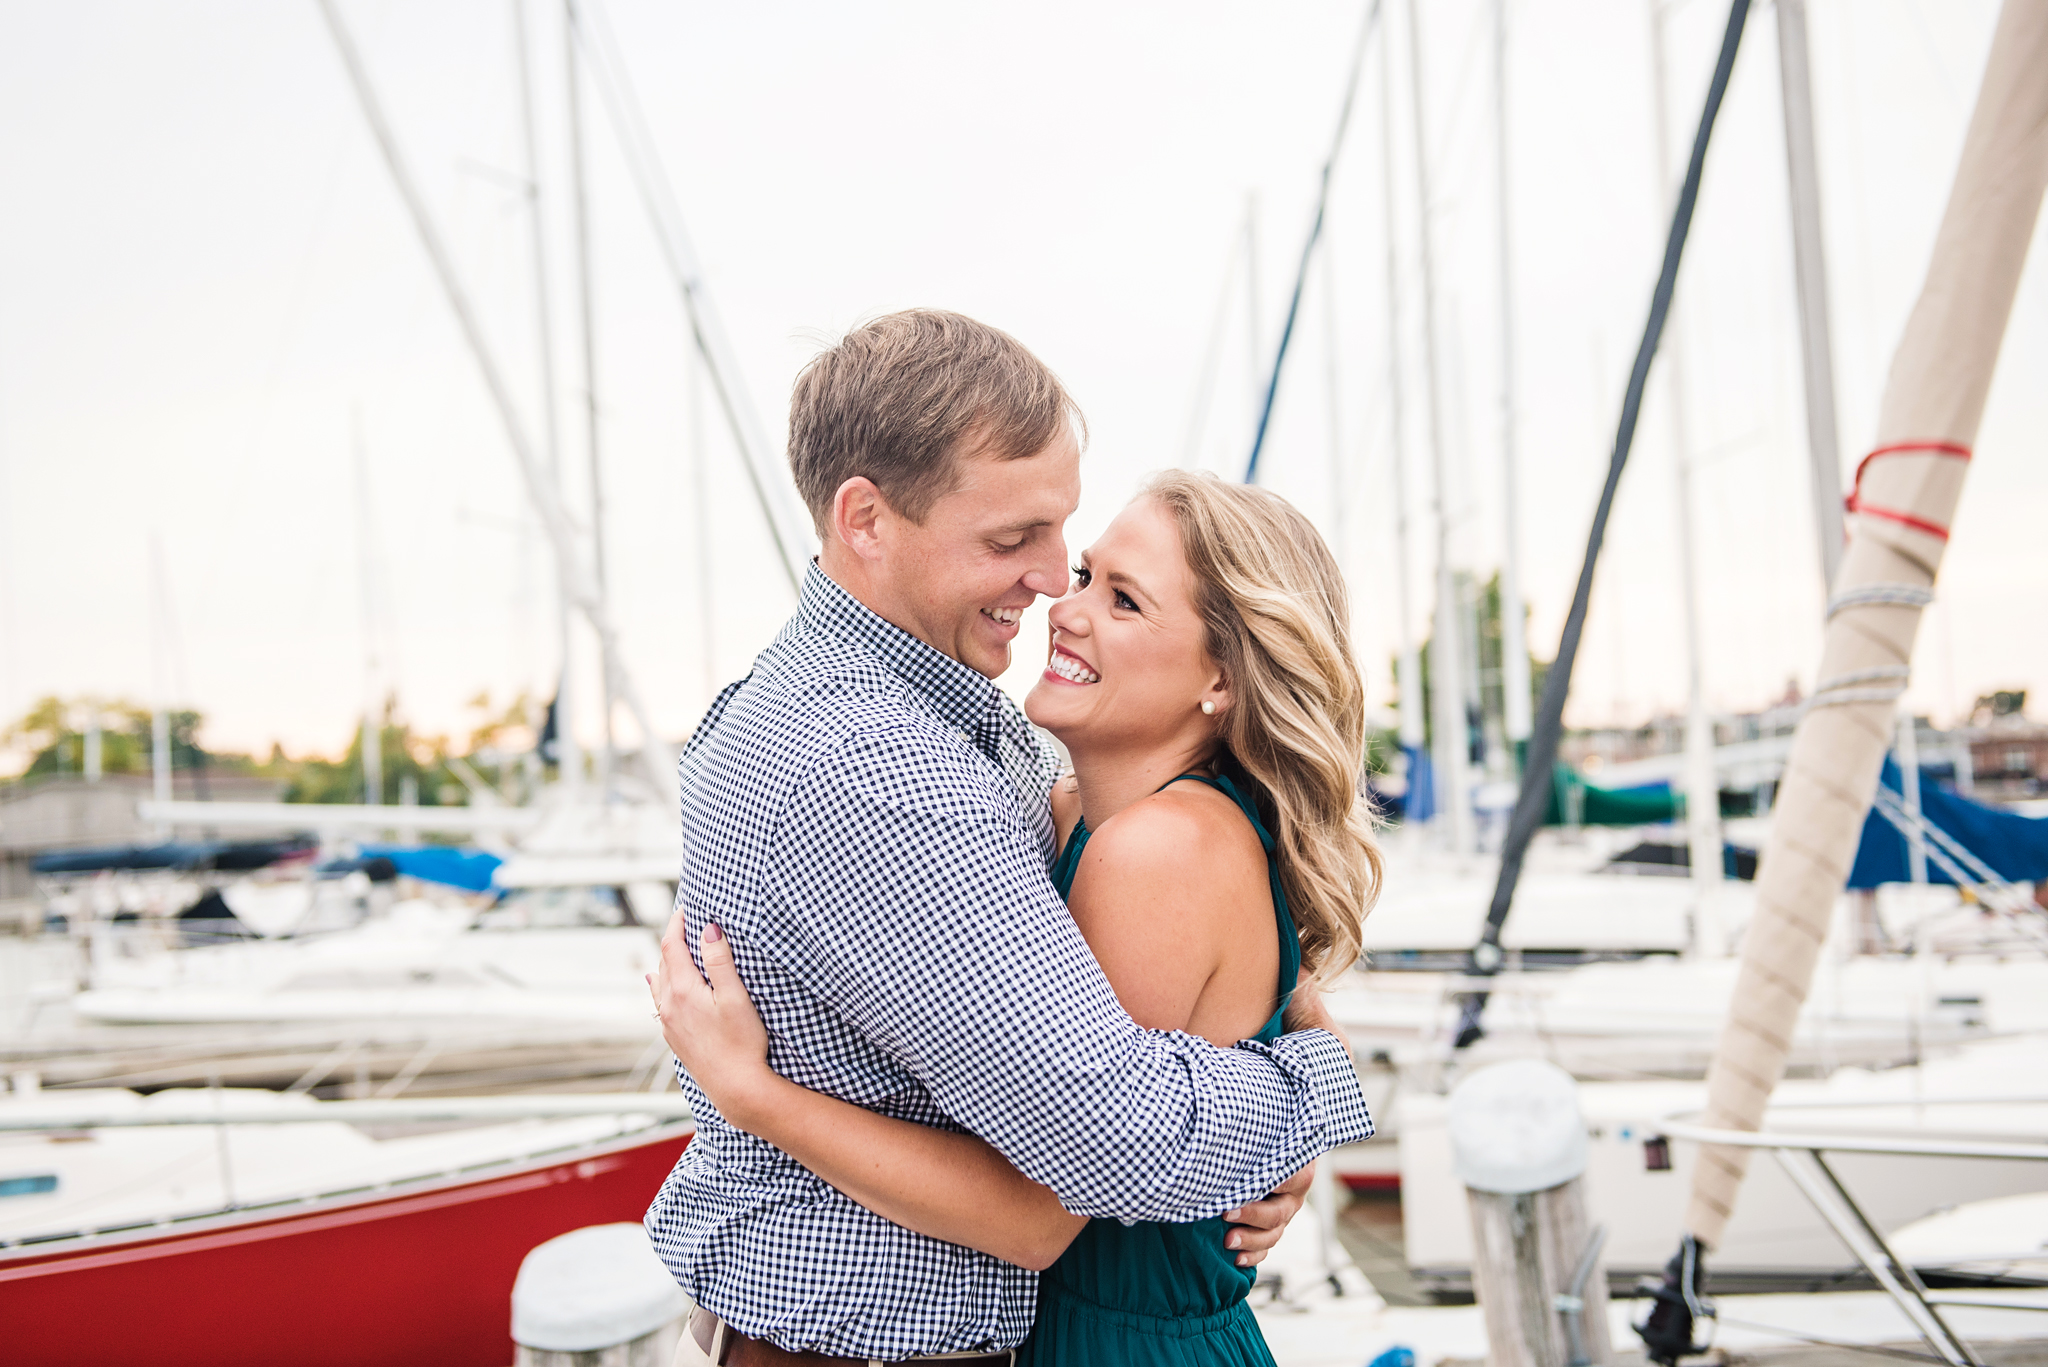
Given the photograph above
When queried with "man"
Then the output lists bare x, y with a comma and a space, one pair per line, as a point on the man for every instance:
866, 819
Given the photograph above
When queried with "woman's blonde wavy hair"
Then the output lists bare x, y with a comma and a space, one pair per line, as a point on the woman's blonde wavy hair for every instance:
1278, 624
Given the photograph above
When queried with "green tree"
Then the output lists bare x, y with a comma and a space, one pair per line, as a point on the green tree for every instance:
53, 731
404, 755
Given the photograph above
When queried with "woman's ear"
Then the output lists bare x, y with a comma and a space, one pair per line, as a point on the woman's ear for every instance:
1216, 698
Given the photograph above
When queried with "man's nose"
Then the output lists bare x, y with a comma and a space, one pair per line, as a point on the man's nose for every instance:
1048, 572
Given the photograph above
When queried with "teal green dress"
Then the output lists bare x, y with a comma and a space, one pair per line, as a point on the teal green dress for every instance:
1157, 1295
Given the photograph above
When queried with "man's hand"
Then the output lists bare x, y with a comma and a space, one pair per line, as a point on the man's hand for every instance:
1258, 1225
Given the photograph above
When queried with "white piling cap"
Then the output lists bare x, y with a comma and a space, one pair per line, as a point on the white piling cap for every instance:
1515, 1127
592, 1288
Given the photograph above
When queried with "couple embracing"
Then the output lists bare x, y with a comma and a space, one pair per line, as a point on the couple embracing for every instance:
993, 1063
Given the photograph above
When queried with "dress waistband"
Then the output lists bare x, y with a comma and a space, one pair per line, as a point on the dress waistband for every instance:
1054, 1296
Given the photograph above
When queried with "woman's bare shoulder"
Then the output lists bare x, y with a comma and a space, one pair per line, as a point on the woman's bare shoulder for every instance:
1188, 835
1160, 897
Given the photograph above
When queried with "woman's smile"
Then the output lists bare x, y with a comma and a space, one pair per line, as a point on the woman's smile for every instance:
1068, 668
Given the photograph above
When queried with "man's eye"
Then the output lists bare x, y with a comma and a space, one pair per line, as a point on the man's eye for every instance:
1007, 546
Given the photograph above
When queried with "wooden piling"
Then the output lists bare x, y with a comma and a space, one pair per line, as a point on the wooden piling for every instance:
1519, 1144
596, 1297
1526, 1246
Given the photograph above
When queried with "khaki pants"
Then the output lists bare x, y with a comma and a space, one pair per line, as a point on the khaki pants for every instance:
690, 1354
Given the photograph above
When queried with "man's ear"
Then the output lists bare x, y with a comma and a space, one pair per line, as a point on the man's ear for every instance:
859, 513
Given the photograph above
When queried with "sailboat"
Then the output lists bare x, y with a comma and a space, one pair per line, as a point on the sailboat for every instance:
1959, 1014
617, 841
227, 1227
1900, 510
255, 1227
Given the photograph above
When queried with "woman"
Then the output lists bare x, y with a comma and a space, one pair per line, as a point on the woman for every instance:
1213, 847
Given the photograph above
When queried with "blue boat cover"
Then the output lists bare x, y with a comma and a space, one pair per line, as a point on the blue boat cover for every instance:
2015, 846
449, 865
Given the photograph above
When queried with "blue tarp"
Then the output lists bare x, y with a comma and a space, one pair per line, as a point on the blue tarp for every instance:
1419, 804
222, 855
467, 869
2015, 846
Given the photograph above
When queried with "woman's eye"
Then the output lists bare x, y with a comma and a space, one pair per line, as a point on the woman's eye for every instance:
1123, 600
1081, 576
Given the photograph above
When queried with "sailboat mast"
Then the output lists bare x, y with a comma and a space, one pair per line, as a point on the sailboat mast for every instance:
1340, 531
1810, 272
160, 669
586, 295
1408, 664
545, 496
788, 526
571, 757
1904, 503
700, 508
1702, 789
1514, 677
373, 729
1446, 669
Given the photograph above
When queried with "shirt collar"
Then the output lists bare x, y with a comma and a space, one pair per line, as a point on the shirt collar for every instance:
964, 700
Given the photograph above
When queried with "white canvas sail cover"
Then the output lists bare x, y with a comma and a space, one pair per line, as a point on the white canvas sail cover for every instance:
1904, 499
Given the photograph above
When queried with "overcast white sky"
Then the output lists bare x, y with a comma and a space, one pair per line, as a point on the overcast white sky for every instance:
204, 269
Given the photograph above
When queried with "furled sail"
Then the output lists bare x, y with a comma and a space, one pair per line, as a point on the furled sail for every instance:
1905, 496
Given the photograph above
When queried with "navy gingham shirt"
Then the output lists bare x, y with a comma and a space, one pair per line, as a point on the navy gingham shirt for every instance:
867, 819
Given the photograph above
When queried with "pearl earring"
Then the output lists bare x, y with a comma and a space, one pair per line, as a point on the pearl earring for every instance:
1208, 708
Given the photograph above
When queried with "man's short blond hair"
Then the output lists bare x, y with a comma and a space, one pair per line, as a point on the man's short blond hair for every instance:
903, 398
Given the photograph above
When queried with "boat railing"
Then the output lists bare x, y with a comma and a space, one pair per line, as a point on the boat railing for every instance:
205, 1106
640, 1117
1802, 1156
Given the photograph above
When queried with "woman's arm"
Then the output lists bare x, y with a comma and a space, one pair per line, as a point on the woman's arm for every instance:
945, 1185
949, 1186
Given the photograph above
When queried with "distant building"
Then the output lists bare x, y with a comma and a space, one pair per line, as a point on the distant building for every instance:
2009, 757
69, 812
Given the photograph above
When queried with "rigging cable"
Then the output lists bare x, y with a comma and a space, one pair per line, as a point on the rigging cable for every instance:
1308, 250
1549, 724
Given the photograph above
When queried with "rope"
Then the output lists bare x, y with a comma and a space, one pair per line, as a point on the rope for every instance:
1842, 689
1863, 676
1854, 502
1880, 596
1847, 696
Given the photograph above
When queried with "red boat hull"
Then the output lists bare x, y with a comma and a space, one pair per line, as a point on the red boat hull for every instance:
422, 1278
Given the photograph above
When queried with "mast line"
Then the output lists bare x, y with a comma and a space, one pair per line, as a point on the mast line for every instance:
569, 766
1549, 728
788, 529
1451, 745
1315, 232
1408, 666
586, 294
553, 518
372, 749
1702, 790
1810, 274
1514, 678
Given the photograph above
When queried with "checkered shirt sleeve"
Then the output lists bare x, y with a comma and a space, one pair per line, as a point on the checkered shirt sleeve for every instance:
870, 829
